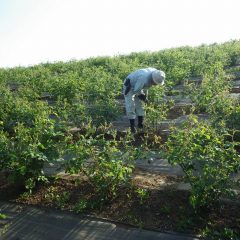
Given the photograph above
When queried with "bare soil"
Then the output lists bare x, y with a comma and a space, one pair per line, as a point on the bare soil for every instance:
161, 206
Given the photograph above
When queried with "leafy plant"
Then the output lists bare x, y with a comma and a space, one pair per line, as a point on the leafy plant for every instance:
81, 206
29, 138
218, 234
234, 118
214, 83
207, 158
143, 194
156, 108
3, 216
107, 163
222, 108
57, 197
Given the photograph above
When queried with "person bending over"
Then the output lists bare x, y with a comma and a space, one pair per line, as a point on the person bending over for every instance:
135, 92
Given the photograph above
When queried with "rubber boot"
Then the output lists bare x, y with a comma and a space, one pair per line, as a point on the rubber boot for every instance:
140, 122
132, 125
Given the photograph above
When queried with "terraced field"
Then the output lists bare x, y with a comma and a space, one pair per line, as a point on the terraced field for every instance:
64, 139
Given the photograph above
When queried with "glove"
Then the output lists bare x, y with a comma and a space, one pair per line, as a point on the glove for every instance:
142, 97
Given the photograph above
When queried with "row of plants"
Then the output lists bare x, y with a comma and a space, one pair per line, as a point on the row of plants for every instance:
23, 111
28, 138
35, 132
208, 154
178, 63
208, 150
97, 82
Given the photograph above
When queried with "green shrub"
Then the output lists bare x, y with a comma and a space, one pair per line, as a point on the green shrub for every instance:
157, 107
29, 138
234, 118
207, 158
218, 234
107, 163
214, 83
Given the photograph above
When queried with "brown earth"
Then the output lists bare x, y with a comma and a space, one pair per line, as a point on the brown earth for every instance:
161, 206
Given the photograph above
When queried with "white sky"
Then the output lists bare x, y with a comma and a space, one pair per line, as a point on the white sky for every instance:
35, 31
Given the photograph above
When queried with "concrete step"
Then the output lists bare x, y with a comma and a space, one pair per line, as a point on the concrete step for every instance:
196, 80
180, 108
160, 166
235, 86
235, 89
235, 95
122, 124
235, 75
167, 124
157, 165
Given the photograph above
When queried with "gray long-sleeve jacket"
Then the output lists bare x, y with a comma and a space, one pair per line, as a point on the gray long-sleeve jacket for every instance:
141, 79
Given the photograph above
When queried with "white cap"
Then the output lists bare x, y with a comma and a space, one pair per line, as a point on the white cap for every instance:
158, 77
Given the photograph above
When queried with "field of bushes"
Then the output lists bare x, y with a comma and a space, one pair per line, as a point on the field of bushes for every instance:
41, 104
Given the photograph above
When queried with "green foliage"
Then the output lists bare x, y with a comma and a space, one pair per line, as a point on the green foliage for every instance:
66, 86
218, 234
156, 108
107, 163
95, 83
40, 103
178, 63
221, 106
143, 195
3, 216
28, 139
81, 206
214, 83
24, 155
56, 197
234, 118
207, 158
